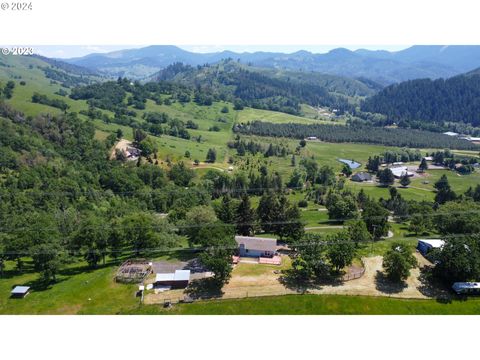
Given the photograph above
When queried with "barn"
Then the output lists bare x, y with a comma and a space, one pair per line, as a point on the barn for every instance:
256, 246
177, 280
426, 245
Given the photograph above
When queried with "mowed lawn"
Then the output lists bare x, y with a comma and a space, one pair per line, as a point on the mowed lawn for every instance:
77, 291
318, 305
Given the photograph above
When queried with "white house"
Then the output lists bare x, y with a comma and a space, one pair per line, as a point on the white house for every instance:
256, 246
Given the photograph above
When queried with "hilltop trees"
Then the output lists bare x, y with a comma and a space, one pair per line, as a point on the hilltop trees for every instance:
433, 101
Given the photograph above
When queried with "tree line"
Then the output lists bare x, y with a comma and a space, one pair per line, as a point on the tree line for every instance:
356, 134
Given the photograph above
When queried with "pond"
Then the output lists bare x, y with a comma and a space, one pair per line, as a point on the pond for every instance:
351, 163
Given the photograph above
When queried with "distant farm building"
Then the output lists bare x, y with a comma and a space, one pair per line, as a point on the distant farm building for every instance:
20, 291
400, 171
352, 164
426, 245
256, 246
132, 153
466, 288
362, 176
470, 138
177, 280
311, 138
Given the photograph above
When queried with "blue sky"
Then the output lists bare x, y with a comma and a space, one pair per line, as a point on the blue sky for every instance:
68, 51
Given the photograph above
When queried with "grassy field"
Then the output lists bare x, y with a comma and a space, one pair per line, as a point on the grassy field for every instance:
318, 305
79, 290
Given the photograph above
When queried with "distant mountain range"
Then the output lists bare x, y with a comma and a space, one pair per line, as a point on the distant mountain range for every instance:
383, 67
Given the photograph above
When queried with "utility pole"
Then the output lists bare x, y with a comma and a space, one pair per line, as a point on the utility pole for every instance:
373, 237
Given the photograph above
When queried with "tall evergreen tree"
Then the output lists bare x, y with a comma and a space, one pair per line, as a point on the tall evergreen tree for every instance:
245, 217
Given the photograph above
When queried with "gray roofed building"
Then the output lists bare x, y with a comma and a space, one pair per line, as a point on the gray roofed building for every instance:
361, 176
256, 246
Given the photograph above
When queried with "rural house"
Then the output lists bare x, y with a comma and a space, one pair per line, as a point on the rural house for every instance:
361, 176
256, 246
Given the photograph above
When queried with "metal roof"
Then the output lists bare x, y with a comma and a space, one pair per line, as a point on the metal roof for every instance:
182, 275
257, 243
179, 275
164, 277
20, 289
435, 243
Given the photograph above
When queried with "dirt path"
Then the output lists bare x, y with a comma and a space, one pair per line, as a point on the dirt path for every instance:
122, 144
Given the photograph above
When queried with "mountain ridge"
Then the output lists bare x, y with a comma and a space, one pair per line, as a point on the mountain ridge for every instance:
385, 67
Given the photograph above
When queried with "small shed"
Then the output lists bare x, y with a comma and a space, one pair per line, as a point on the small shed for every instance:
256, 246
177, 280
426, 245
20, 291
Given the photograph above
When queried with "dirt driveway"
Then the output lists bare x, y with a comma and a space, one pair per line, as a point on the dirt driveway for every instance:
372, 283
267, 282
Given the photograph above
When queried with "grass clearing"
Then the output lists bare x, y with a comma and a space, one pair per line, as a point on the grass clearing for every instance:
318, 305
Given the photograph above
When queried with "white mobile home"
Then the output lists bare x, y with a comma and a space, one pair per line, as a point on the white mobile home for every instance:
466, 288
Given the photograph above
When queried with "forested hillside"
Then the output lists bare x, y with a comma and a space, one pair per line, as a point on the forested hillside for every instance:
269, 89
455, 99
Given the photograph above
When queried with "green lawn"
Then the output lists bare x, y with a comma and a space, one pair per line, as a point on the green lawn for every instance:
78, 291
318, 305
